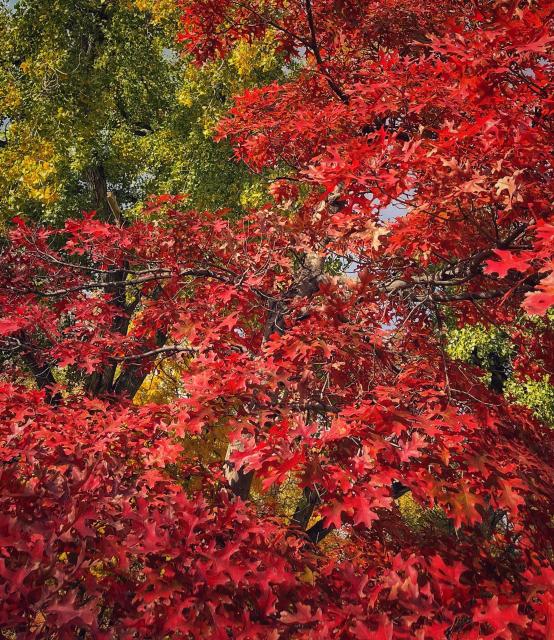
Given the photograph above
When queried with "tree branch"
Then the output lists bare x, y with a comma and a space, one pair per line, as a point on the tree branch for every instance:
317, 53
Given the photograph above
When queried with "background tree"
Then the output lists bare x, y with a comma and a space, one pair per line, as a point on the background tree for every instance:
95, 99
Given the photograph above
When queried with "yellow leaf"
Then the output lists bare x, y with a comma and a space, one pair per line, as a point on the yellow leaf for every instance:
307, 576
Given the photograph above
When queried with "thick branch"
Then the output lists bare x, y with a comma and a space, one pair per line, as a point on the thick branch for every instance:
305, 508
163, 274
42, 374
318, 531
168, 350
239, 481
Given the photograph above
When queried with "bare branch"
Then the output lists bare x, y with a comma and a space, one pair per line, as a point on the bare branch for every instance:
163, 274
168, 350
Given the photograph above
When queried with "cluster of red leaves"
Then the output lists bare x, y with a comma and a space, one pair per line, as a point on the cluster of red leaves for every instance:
95, 536
542, 252
108, 528
111, 528
455, 123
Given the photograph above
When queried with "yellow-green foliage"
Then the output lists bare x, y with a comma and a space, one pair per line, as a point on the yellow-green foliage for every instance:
421, 519
411, 511
160, 10
92, 85
209, 88
538, 395
477, 343
162, 385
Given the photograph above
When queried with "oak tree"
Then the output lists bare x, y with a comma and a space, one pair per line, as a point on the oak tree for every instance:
312, 333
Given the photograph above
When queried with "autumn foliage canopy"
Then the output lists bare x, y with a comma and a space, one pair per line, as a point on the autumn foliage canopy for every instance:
309, 335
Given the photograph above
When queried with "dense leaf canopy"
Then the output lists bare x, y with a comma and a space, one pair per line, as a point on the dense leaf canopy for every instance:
311, 346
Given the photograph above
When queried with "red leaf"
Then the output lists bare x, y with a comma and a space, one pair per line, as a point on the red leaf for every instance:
508, 260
